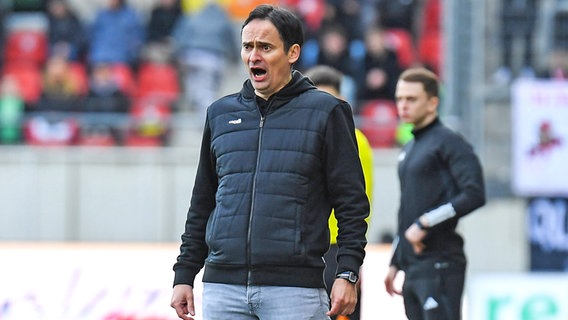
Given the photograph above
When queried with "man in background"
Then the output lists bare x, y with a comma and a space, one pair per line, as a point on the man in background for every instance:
441, 181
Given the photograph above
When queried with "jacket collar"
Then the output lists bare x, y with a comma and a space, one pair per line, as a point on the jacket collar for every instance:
296, 86
419, 132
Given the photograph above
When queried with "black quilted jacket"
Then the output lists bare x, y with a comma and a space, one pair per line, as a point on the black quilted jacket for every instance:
265, 186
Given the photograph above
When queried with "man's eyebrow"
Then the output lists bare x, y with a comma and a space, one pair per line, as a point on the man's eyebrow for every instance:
259, 43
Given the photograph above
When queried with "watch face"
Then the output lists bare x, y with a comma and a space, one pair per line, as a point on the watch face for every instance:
349, 276
352, 277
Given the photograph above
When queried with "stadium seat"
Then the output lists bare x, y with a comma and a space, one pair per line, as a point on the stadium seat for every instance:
379, 121
28, 78
26, 46
430, 40
125, 78
401, 42
430, 51
149, 123
431, 21
79, 71
158, 80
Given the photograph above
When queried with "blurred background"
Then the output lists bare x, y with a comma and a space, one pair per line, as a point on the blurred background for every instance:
102, 106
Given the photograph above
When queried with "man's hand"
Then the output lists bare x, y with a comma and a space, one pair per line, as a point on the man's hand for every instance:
343, 298
182, 301
389, 281
414, 234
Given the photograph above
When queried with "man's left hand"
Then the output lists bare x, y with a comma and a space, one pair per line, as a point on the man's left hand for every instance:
415, 235
343, 298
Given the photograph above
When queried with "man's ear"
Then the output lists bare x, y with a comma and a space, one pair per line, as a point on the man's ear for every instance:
433, 103
294, 53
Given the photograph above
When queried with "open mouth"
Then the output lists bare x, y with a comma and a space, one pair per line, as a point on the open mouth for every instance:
258, 72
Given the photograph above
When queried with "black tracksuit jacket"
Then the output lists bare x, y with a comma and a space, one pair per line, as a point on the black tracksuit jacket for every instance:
265, 186
435, 168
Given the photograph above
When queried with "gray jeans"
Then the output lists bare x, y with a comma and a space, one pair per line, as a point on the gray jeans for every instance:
237, 302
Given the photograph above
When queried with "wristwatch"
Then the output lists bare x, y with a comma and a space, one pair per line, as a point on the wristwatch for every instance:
349, 276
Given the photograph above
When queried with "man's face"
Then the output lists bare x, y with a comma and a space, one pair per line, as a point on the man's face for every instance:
413, 104
263, 54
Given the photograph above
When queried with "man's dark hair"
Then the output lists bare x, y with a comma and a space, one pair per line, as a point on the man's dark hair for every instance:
289, 26
422, 75
323, 75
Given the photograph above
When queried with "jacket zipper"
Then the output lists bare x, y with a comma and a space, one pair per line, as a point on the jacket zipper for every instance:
253, 194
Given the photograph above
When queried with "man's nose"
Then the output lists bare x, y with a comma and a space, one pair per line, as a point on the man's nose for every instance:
254, 55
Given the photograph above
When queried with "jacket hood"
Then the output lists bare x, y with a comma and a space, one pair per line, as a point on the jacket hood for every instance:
295, 87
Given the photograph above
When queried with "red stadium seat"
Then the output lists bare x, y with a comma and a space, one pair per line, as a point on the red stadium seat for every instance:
80, 74
150, 123
401, 42
430, 51
158, 80
379, 121
431, 21
28, 78
430, 40
26, 46
125, 78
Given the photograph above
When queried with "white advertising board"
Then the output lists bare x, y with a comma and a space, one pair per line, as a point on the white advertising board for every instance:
129, 282
530, 296
540, 138
86, 281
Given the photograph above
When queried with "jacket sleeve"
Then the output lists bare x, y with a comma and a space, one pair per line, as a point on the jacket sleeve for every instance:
467, 175
346, 188
395, 258
193, 249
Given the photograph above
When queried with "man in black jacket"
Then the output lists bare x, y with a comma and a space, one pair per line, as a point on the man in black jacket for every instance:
275, 159
441, 181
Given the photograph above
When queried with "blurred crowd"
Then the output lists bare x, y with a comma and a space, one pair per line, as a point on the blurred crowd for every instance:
120, 78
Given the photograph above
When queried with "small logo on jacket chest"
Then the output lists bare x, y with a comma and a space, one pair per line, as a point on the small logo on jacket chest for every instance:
236, 121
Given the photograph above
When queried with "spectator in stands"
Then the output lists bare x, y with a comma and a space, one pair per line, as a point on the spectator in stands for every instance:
518, 20
333, 44
346, 13
116, 36
380, 70
204, 44
398, 14
163, 18
66, 33
61, 90
104, 93
159, 30
334, 49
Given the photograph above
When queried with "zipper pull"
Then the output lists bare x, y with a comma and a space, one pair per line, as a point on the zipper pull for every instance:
261, 122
